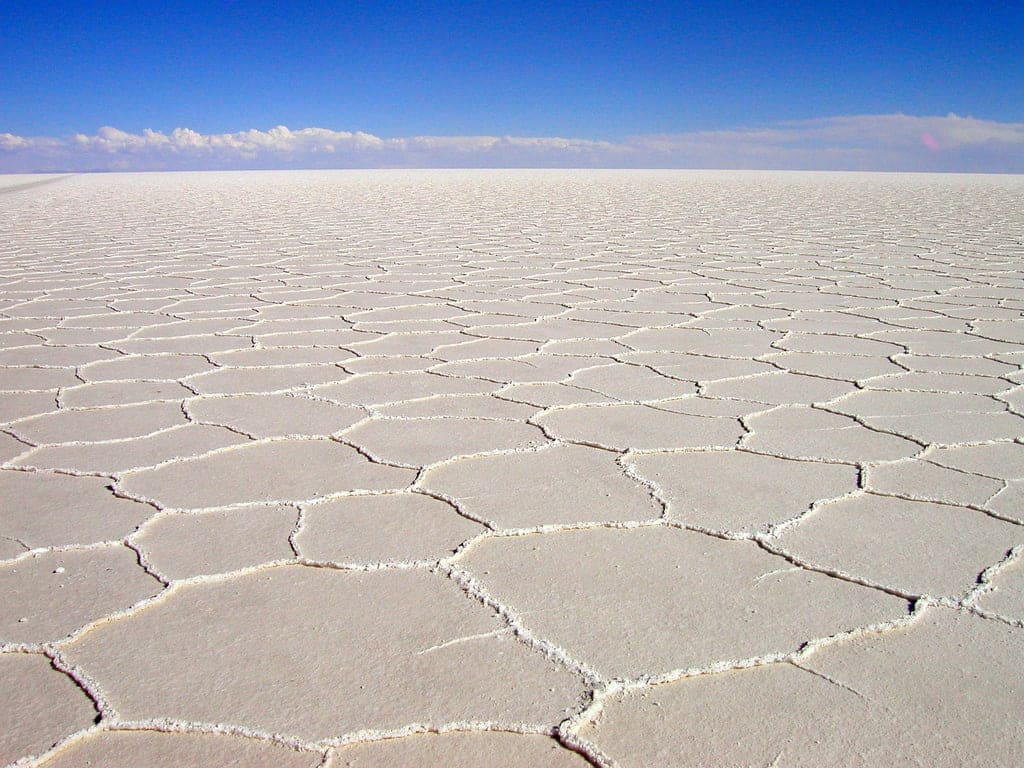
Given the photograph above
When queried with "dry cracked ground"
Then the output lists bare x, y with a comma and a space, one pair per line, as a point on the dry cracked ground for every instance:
512, 468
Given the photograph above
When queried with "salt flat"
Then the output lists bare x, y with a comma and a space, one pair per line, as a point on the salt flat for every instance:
518, 468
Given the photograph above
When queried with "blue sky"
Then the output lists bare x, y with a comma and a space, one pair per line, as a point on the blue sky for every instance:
601, 71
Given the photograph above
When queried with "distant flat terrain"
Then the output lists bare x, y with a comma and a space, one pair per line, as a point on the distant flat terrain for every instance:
518, 468
13, 182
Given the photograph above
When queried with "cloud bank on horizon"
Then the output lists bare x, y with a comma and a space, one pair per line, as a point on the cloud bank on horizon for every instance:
893, 142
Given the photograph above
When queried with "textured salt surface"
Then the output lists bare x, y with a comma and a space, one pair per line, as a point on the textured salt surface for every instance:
519, 468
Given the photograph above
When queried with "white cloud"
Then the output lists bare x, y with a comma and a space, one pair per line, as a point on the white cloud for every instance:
859, 142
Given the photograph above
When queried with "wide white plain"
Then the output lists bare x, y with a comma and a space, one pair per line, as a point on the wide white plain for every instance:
513, 468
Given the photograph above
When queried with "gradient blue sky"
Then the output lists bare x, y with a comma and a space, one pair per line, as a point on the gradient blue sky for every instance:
600, 70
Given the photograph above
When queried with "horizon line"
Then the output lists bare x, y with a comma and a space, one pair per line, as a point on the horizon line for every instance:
872, 143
